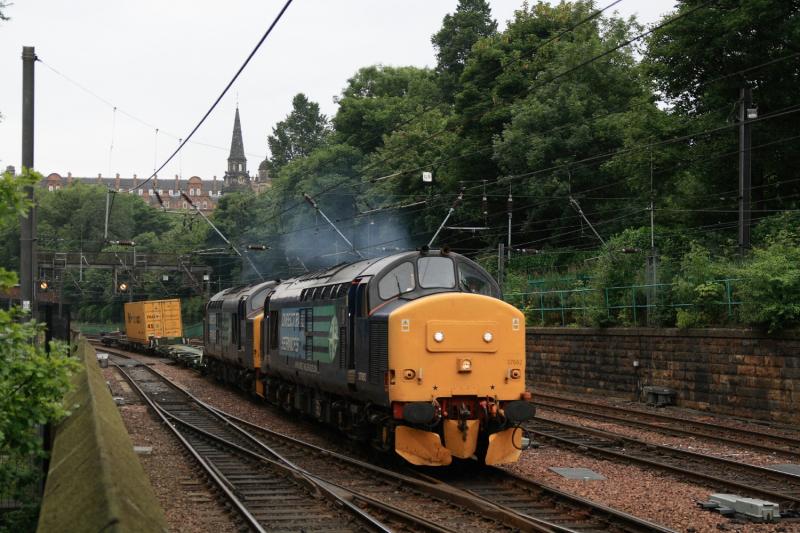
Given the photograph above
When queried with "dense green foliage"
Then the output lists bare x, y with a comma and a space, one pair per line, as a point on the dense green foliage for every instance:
471, 22
304, 130
33, 380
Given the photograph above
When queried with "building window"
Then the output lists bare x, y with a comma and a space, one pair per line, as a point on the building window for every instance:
50, 188
141, 192
205, 205
166, 204
191, 191
184, 205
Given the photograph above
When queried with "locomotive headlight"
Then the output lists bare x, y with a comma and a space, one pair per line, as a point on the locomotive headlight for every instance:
487, 337
464, 365
515, 373
438, 336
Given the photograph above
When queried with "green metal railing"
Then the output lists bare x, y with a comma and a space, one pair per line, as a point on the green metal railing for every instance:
566, 306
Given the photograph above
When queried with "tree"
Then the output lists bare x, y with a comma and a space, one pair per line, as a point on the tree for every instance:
298, 232
378, 100
33, 378
543, 131
471, 22
303, 130
700, 63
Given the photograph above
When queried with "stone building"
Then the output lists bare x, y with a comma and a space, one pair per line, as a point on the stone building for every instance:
205, 194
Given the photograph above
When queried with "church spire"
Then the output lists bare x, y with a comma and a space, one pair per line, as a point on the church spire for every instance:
236, 177
237, 161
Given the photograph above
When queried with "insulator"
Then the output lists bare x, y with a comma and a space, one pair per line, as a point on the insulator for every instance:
485, 205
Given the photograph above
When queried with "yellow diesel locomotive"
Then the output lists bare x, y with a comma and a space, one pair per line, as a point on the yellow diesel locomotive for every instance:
414, 352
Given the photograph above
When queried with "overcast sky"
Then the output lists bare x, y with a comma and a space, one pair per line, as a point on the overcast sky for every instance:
165, 61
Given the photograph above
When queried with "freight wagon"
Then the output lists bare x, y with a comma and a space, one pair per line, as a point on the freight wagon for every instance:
148, 324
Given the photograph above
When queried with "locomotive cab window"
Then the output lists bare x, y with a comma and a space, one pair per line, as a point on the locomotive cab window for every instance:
398, 280
470, 279
436, 273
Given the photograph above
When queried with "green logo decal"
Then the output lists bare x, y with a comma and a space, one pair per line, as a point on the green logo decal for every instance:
333, 338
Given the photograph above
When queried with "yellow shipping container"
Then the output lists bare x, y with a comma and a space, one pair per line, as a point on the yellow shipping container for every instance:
153, 319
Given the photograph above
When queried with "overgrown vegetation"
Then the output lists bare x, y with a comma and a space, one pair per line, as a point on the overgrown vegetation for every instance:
697, 286
33, 381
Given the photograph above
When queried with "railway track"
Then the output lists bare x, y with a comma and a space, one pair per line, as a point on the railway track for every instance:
500, 502
508, 493
663, 423
751, 480
269, 494
534, 499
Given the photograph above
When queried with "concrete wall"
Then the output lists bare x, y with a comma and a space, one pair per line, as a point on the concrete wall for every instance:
96, 482
736, 372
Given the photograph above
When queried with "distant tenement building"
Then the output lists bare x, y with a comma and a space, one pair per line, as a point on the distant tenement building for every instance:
204, 193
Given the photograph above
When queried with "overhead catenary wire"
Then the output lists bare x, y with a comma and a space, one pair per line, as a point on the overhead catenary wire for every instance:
549, 199
594, 58
591, 119
572, 28
538, 48
117, 109
221, 95
605, 53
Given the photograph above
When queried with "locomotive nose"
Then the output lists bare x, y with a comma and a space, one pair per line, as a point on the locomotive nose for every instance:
466, 356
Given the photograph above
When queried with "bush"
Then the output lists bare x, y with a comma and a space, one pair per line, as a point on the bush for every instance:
696, 286
617, 267
770, 288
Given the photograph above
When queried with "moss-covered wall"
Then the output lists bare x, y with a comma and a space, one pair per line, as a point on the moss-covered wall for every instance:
96, 482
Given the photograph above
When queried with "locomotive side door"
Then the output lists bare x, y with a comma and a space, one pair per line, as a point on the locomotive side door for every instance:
358, 343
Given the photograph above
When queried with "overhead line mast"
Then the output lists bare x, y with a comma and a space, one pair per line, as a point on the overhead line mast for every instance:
314, 205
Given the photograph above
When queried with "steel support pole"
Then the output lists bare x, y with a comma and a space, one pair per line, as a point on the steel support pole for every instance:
500, 264
745, 183
27, 267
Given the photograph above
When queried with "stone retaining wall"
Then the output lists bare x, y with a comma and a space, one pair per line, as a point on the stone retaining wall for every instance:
735, 372
95, 481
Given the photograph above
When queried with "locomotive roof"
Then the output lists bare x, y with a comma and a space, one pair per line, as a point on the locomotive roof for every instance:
241, 290
342, 273
346, 272
338, 274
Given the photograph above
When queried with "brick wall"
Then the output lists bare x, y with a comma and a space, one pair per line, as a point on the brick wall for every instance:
735, 372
